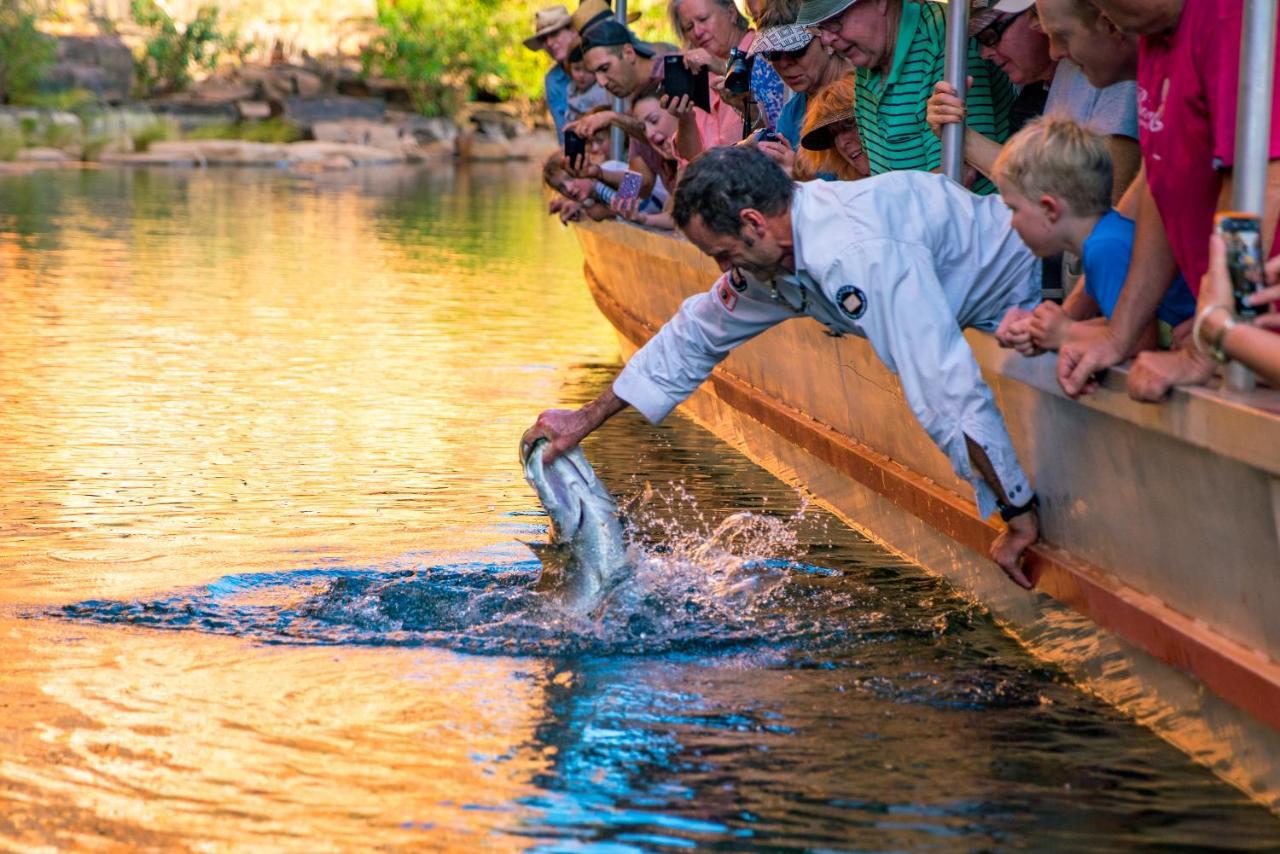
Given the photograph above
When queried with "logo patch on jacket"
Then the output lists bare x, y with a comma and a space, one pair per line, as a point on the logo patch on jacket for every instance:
738, 281
852, 301
727, 294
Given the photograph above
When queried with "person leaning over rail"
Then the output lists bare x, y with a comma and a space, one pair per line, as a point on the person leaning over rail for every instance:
907, 260
899, 48
1056, 177
1188, 76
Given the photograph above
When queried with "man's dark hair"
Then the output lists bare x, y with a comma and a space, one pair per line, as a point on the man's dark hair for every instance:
725, 181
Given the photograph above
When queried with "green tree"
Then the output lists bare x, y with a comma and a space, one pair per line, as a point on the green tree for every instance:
25, 52
174, 51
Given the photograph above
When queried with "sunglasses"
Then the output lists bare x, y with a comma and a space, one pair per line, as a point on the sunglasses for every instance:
773, 56
990, 36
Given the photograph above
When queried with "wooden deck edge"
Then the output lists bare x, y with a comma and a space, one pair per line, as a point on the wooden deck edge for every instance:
1241, 675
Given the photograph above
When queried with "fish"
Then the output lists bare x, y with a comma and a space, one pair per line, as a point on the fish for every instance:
586, 557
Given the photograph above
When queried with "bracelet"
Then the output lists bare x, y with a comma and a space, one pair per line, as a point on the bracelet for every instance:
1206, 350
1218, 352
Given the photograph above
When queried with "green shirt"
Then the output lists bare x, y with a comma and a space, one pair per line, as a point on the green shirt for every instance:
891, 109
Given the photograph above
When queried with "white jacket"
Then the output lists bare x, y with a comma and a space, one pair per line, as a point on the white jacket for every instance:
905, 260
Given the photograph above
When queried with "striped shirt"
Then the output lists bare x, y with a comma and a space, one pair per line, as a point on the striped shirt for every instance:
891, 109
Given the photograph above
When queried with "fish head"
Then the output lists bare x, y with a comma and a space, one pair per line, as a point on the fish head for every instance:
568, 489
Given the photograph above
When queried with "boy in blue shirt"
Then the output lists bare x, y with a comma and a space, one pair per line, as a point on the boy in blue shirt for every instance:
1056, 177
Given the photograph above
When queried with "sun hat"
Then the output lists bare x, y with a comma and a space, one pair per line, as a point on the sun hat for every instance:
823, 135
545, 22
591, 12
787, 38
611, 33
816, 11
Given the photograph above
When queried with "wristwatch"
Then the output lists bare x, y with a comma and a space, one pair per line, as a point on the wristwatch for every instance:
1008, 512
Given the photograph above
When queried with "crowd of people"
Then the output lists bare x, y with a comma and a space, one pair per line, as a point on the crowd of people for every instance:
1099, 139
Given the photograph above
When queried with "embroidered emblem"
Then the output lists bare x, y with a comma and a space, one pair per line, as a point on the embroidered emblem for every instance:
727, 295
852, 301
738, 281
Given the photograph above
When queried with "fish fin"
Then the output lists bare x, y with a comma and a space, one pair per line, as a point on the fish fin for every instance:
554, 558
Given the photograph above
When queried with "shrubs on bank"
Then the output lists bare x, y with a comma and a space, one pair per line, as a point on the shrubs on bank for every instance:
25, 52
174, 52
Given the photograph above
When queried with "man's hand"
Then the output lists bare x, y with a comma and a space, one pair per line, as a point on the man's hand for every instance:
678, 107
1049, 325
944, 107
1089, 349
562, 428
780, 152
590, 125
1155, 373
1006, 551
1014, 332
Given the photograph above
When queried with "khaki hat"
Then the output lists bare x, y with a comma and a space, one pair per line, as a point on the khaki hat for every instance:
823, 137
546, 22
816, 11
591, 12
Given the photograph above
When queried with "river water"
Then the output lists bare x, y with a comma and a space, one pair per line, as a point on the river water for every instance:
262, 584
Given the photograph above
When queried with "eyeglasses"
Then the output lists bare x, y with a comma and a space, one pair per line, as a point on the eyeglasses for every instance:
774, 56
990, 35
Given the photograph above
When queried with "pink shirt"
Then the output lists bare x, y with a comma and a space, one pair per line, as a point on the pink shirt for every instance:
723, 125
1187, 94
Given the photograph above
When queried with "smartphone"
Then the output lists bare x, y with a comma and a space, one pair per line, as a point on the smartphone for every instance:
1243, 235
678, 80
575, 147
767, 135
629, 189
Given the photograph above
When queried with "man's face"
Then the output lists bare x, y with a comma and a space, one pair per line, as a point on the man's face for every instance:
860, 33
1022, 52
616, 72
752, 250
560, 43
1105, 56
1142, 17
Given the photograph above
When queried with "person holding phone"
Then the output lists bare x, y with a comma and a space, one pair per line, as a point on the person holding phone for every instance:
1222, 335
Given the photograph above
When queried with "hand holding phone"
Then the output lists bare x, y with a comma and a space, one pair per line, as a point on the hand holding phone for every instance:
677, 80
629, 189
575, 149
1242, 234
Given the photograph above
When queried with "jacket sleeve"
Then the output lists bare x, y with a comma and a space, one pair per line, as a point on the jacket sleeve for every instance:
663, 373
908, 321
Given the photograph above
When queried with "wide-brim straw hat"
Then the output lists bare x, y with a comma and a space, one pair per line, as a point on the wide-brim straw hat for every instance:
787, 38
823, 136
592, 12
545, 22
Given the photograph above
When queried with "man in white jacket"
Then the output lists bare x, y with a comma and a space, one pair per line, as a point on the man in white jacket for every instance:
906, 260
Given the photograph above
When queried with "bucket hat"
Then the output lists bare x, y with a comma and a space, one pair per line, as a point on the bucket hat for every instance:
816, 11
545, 22
787, 38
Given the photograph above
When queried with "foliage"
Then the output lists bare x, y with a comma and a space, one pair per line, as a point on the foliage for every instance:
275, 131
25, 52
67, 101
175, 51
448, 51
157, 131
11, 142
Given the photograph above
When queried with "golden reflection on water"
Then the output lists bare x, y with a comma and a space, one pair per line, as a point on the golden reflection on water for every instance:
214, 373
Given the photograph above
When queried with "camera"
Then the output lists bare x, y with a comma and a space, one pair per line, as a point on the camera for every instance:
737, 79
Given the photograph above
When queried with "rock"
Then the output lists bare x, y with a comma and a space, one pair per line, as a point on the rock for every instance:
534, 146
220, 90
254, 110
430, 151
362, 132
426, 130
171, 157
478, 147
279, 83
219, 152
309, 112
359, 155
50, 128
101, 64
120, 124
43, 155
191, 113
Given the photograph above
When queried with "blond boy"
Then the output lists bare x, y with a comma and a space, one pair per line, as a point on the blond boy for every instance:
1056, 177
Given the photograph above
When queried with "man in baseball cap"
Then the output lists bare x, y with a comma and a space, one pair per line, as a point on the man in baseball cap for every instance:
554, 33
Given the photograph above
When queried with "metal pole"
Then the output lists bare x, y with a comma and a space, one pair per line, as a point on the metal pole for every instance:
1253, 130
956, 74
618, 139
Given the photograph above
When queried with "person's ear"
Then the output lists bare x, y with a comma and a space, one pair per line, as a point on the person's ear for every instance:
1051, 207
629, 54
754, 222
1108, 26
